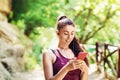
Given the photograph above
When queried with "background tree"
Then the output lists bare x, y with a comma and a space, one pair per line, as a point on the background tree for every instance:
34, 13
92, 18
95, 20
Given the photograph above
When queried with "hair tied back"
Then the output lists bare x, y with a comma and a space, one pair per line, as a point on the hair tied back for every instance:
62, 17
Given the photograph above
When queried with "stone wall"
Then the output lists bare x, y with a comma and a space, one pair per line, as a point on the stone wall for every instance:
11, 48
5, 9
11, 52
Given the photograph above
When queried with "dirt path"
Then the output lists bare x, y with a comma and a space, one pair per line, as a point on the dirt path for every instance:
37, 74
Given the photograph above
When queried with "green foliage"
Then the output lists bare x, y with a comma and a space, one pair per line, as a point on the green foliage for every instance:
41, 41
41, 37
34, 13
91, 17
95, 21
30, 61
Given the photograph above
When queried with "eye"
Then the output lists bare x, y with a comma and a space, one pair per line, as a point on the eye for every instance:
72, 33
65, 33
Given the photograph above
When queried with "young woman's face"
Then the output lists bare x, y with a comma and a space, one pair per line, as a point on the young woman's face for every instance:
66, 34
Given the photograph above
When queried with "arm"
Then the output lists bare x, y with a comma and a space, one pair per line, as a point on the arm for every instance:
48, 60
48, 68
84, 75
84, 69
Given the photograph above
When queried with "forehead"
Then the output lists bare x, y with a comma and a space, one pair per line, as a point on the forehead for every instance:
69, 28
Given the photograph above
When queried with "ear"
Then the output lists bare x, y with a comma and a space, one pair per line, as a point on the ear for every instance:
57, 32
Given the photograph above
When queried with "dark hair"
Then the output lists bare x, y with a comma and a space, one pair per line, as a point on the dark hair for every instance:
76, 48
74, 45
63, 21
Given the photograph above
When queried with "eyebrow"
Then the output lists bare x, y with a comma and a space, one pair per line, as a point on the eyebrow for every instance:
68, 31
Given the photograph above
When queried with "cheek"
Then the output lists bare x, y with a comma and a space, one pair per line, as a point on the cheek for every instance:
63, 37
72, 37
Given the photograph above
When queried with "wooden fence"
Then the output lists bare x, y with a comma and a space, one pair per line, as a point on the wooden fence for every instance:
105, 55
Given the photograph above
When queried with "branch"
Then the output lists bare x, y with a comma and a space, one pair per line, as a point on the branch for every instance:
91, 34
86, 22
78, 14
87, 18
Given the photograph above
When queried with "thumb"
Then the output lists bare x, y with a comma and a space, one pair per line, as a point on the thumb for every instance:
74, 58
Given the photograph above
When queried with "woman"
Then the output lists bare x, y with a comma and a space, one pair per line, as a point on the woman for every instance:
60, 63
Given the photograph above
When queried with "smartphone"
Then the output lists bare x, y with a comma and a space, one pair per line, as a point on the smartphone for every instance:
81, 55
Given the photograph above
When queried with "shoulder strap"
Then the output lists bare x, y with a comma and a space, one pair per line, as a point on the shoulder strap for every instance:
55, 52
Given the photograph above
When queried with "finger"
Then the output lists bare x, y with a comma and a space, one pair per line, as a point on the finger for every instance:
73, 58
81, 62
82, 68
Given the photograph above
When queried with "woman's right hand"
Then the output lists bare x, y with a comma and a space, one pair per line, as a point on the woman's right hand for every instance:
77, 64
73, 64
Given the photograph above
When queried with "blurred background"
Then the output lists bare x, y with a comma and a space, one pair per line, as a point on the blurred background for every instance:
27, 28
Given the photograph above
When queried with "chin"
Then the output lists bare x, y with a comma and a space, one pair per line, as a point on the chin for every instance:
67, 43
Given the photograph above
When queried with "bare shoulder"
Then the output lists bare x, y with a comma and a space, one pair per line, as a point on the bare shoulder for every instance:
48, 55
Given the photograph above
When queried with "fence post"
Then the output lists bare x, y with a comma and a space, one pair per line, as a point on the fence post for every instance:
105, 59
97, 51
118, 67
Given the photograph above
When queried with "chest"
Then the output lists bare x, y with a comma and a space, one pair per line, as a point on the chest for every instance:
63, 54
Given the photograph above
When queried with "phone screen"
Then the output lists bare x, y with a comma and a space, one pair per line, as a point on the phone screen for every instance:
81, 55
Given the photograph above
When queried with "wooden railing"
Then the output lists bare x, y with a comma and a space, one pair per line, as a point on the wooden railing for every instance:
105, 56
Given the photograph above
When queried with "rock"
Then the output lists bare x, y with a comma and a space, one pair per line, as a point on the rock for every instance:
4, 74
3, 17
5, 6
11, 51
13, 45
11, 64
9, 33
5, 9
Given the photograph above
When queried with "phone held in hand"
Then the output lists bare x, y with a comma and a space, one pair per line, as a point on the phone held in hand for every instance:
81, 55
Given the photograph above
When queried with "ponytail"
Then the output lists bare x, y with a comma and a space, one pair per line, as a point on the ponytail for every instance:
76, 48
63, 21
61, 17
74, 45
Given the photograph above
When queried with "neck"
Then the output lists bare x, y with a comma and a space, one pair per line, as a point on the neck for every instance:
62, 46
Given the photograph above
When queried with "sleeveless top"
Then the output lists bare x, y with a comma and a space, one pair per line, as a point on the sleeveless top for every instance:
60, 62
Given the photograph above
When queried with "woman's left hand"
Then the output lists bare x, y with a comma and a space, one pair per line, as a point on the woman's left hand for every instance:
82, 66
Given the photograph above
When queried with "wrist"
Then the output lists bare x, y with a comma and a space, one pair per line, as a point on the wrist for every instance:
67, 67
85, 70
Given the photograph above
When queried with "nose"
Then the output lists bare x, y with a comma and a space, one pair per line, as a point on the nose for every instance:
69, 36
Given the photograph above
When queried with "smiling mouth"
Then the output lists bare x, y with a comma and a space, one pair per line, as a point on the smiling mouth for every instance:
67, 40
